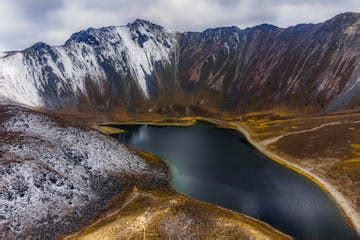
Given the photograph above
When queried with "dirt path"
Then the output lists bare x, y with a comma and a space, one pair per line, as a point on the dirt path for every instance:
275, 139
133, 195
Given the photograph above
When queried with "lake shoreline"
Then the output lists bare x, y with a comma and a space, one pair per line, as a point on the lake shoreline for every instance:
349, 213
127, 207
342, 203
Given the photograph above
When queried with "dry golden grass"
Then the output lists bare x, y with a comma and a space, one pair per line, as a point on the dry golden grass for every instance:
160, 214
108, 130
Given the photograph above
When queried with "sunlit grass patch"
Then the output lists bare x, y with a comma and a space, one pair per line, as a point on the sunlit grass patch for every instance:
109, 130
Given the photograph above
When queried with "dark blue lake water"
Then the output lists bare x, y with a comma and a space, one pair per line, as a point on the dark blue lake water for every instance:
219, 166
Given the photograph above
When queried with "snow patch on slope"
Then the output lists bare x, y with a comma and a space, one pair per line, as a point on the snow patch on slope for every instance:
17, 82
3, 54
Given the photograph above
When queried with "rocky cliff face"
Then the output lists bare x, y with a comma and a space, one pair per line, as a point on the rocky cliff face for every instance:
308, 66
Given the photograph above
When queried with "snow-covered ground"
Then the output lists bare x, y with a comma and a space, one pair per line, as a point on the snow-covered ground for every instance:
54, 177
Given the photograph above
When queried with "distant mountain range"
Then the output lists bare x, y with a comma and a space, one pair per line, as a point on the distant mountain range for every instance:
312, 67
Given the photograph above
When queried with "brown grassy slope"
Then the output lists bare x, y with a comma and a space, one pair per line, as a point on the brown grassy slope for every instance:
161, 214
326, 145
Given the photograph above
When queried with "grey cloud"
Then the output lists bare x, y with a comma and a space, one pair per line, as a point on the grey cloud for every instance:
25, 22
37, 10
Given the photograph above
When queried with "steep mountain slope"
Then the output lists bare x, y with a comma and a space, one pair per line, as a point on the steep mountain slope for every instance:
105, 66
305, 66
313, 67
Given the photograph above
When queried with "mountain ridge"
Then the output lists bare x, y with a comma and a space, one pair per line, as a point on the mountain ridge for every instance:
142, 64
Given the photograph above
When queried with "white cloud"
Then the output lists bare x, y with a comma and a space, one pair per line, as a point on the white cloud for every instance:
25, 22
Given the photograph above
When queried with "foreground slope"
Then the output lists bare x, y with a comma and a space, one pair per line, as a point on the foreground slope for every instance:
168, 215
56, 178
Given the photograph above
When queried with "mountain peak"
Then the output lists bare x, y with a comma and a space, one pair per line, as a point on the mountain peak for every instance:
39, 47
142, 21
221, 31
145, 23
342, 22
85, 36
265, 27
347, 18
348, 15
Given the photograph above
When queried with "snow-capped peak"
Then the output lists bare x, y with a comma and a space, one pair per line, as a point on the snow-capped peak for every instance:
141, 22
129, 52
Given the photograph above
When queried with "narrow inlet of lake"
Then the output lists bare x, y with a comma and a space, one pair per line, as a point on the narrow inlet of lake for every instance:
219, 166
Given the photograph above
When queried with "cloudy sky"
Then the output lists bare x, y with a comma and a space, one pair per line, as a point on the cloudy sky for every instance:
25, 22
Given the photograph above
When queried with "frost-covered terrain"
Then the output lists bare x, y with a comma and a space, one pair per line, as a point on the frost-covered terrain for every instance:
54, 177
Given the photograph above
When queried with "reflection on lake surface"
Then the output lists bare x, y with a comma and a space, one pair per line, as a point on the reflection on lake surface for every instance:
219, 166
